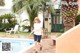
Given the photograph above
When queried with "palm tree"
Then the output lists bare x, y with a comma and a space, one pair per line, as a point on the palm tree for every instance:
2, 3
32, 7
69, 13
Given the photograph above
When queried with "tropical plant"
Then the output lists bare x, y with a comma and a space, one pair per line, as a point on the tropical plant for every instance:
77, 20
69, 13
2, 3
7, 21
32, 7
7, 16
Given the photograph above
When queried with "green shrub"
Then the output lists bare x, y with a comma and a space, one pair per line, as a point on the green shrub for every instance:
77, 19
11, 21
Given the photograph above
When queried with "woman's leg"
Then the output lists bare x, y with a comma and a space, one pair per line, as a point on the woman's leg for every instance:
35, 39
34, 49
39, 42
40, 46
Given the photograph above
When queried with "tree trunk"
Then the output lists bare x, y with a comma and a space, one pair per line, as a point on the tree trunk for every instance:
69, 13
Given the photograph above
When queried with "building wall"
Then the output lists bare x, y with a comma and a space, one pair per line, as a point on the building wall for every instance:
69, 42
47, 22
5, 11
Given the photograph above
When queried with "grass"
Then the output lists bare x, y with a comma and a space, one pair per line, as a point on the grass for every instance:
2, 32
59, 34
17, 35
23, 34
49, 33
20, 34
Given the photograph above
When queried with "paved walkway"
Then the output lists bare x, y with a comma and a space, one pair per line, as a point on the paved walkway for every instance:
48, 47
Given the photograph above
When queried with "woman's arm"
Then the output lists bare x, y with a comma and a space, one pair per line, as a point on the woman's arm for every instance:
32, 32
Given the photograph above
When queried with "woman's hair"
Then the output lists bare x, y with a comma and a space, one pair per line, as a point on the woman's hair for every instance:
36, 18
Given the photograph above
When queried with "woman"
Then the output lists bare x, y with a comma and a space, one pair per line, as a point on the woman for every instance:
37, 33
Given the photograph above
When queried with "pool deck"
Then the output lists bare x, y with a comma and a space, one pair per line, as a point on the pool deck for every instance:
47, 43
47, 47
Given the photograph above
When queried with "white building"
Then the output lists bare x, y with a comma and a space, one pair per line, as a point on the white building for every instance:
7, 8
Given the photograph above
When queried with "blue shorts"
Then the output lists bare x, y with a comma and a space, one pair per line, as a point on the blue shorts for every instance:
37, 38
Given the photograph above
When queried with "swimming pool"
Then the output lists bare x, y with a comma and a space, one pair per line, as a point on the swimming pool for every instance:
15, 45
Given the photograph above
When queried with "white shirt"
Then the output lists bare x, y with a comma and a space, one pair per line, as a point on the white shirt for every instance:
37, 29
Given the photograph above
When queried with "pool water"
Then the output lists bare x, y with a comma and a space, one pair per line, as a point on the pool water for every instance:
11, 45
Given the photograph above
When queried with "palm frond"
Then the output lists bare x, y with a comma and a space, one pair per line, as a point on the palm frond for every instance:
32, 7
2, 3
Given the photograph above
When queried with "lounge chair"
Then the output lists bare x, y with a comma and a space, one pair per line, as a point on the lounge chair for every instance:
14, 30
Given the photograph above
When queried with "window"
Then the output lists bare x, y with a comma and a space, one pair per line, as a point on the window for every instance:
57, 19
